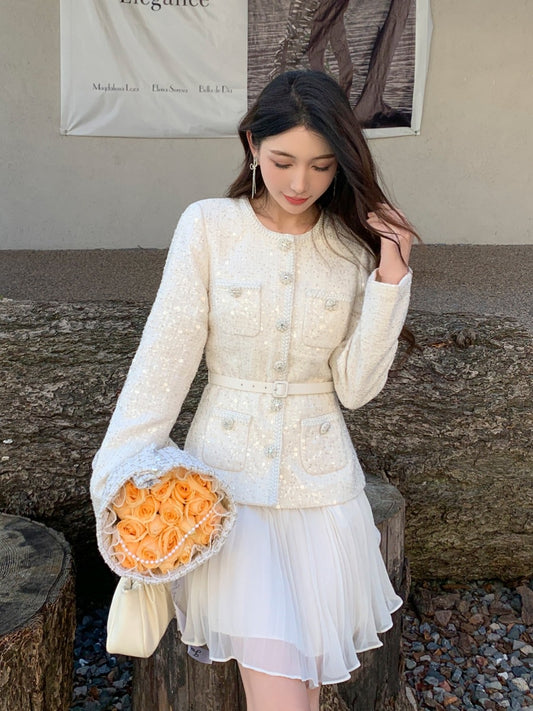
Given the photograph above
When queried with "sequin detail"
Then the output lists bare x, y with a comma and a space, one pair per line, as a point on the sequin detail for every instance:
223, 291
286, 278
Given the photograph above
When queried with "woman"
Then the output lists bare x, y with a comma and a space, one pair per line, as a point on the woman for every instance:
277, 283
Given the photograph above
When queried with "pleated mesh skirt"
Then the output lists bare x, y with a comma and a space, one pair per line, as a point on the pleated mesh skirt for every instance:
293, 592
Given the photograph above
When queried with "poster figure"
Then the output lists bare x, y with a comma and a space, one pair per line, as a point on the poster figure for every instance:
328, 27
369, 46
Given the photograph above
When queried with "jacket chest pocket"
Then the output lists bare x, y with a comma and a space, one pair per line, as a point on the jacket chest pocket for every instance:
236, 308
321, 444
226, 440
326, 318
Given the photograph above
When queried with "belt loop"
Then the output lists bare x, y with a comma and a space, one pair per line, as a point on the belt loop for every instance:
281, 388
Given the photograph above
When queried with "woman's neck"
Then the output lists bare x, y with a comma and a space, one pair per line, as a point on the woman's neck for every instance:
274, 218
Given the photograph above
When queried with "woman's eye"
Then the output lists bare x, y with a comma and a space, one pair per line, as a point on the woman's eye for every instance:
321, 169
282, 165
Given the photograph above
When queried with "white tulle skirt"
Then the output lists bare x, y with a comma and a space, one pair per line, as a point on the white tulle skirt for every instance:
293, 592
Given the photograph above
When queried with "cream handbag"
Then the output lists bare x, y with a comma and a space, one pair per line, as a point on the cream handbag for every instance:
138, 617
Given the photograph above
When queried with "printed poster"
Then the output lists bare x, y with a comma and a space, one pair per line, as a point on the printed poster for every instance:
378, 51
153, 68
190, 68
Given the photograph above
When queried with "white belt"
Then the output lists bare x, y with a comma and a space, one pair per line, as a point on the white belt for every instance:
280, 388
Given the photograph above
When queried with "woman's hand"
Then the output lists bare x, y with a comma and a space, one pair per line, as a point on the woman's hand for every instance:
396, 242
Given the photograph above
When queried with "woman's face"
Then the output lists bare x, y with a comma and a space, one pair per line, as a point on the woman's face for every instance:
297, 167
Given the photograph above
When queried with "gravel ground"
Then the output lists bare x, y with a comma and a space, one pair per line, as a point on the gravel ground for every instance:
465, 647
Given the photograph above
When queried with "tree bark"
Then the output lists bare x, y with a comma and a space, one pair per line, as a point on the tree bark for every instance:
37, 617
171, 679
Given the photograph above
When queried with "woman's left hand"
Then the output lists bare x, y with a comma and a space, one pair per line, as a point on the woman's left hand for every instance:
396, 245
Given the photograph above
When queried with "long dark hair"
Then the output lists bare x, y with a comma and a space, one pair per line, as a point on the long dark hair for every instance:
315, 100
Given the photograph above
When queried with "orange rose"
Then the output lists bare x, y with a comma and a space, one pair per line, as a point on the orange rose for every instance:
181, 491
202, 536
185, 552
148, 550
197, 508
202, 486
169, 539
127, 561
132, 495
185, 524
123, 511
146, 511
131, 530
155, 526
171, 512
163, 490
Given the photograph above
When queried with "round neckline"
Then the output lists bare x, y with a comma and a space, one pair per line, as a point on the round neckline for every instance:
268, 231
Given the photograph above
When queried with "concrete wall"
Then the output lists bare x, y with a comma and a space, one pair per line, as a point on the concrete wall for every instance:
466, 179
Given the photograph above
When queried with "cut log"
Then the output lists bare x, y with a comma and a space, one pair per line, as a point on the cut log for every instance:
172, 680
37, 617
451, 429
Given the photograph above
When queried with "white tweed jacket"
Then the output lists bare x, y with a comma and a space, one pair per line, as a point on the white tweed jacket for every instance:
265, 307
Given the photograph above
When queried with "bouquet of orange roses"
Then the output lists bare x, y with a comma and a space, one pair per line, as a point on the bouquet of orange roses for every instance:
160, 527
160, 531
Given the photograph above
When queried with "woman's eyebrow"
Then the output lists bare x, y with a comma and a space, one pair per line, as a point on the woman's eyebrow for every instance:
288, 155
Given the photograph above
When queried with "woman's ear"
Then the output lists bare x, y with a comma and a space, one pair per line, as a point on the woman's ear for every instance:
250, 140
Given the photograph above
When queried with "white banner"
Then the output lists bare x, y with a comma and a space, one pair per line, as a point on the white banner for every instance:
153, 68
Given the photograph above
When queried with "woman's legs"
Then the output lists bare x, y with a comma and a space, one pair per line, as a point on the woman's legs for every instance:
277, 693
314, 698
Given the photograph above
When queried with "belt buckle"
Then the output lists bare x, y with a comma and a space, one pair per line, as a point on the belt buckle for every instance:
281, 388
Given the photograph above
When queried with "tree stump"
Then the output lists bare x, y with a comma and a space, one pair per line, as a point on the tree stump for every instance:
171, 680
37, 617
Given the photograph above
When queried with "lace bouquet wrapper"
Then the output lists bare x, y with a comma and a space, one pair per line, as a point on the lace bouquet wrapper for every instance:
165, 521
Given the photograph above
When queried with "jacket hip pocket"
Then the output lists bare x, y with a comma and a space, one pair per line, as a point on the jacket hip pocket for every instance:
321, 444
226, 440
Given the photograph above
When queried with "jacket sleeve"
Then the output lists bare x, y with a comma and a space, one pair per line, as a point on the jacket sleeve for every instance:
163, 368
361, 363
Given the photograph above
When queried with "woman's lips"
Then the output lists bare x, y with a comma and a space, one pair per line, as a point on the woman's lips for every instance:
295, 201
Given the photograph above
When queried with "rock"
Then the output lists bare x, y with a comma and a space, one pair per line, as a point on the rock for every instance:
526, 594
520, 684
443, 617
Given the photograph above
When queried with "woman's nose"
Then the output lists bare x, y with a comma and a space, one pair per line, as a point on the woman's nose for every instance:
299, 181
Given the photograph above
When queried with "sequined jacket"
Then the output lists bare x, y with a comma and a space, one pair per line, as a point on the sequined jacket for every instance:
265, 307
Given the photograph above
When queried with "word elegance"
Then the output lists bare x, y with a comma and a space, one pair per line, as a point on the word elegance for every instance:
158, 4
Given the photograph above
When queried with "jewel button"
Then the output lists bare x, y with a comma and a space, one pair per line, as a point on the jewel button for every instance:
282, 326
325, 427
285, 278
